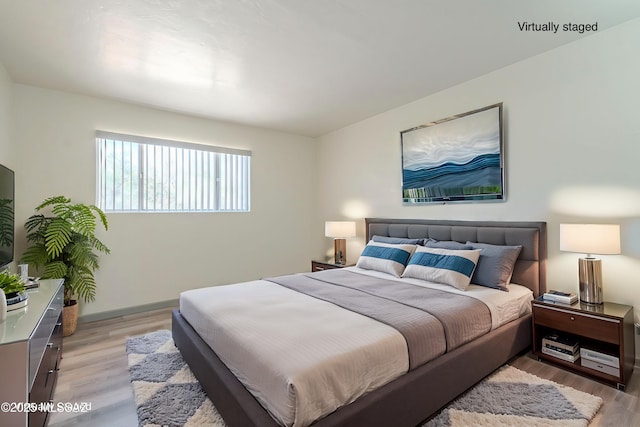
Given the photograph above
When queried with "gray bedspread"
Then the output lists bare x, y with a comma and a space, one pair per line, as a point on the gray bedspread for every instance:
431, 321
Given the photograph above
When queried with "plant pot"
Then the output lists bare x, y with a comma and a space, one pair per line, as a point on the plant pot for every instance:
69, 318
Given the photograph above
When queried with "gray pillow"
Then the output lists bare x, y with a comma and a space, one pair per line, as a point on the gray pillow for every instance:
397, 240
495, 265
446, 244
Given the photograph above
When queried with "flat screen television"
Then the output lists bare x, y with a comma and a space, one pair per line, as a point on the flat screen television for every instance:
7, 218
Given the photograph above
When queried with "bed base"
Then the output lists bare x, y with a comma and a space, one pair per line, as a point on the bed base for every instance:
406, 401
421, 393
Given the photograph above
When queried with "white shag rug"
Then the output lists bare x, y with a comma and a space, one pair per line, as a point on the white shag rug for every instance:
167, 394
511, 397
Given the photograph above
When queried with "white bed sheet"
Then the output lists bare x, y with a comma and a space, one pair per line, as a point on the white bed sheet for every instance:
322, 357
504, 306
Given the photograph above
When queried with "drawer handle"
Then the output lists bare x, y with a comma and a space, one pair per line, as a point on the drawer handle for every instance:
319, 268
573, 318
59, 324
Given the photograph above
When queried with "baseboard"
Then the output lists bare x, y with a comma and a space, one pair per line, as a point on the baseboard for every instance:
126, 311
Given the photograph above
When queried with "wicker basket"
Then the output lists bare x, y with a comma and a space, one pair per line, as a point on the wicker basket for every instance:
69, 318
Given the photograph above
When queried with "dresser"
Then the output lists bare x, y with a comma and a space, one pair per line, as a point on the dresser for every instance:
30, 351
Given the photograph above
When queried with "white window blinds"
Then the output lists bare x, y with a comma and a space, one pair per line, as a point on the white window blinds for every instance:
140, 174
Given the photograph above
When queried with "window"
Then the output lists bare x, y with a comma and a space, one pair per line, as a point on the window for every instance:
139, 174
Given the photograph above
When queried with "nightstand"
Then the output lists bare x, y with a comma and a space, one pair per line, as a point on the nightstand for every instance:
321, 265
604, 330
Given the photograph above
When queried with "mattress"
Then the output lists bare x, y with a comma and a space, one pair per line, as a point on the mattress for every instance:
322, 356
504, 306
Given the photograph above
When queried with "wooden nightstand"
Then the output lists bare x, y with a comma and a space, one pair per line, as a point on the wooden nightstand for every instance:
320, 265
605, 328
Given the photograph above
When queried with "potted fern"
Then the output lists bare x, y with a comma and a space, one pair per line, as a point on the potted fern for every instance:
62, 246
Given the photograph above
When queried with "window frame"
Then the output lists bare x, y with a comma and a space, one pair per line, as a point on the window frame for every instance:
225, 159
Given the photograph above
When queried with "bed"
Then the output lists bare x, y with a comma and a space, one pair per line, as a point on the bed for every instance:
411, 397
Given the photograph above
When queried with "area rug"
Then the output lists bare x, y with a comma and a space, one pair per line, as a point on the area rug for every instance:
167, 394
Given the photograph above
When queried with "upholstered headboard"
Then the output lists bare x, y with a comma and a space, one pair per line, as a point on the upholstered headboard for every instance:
530, 268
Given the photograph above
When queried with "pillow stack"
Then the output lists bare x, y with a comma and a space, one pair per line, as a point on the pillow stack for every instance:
448, 262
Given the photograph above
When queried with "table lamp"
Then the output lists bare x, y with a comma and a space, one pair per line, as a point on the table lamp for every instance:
340, 230
589, 239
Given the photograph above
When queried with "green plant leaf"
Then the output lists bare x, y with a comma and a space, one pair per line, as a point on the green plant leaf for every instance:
57, 236
83, 283
36, 256
6, 222
63, 245
35, 223
53, 201
98, 245
101, 215
80, 254
83, 221
57, 200
10, 283
55, 270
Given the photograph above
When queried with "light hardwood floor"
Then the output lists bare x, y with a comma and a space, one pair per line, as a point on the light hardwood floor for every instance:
94, 369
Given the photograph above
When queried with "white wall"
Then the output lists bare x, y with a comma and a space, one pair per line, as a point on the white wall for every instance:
7, 156
7, 146
572, 152
155, 256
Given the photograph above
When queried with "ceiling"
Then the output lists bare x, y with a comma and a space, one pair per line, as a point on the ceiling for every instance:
301, 66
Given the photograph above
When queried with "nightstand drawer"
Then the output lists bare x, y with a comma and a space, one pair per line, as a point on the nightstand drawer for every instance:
595, 327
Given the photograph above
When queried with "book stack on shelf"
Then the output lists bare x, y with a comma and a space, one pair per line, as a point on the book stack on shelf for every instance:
561, 297
32, 283
600, 361
562, 347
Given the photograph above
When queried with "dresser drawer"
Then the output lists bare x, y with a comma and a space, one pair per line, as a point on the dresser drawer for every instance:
43, 387
41, 337
595, 327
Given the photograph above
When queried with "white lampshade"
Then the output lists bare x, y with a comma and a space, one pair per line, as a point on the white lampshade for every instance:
340, 229
603, 239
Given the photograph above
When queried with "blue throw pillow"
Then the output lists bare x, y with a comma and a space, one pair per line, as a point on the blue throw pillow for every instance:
449, 267
385, 257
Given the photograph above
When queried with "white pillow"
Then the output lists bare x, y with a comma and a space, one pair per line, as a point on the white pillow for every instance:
385, 257
450, 267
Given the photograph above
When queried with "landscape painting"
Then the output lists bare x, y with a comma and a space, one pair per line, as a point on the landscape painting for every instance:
456, 159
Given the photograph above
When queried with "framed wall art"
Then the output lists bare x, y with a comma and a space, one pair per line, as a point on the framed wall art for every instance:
457, 159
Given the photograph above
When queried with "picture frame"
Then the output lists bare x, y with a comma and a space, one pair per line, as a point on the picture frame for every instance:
456, 159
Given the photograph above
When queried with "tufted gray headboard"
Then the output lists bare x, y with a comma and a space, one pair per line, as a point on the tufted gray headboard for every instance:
530, 268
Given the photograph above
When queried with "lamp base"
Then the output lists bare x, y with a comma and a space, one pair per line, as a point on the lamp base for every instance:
340, 248
590, 278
